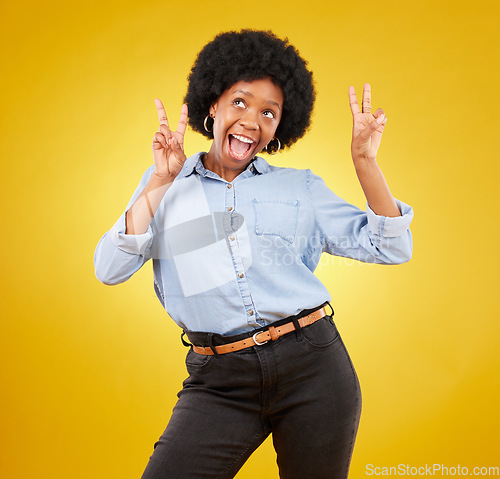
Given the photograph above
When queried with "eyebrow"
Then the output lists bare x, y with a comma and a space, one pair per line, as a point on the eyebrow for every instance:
249, 94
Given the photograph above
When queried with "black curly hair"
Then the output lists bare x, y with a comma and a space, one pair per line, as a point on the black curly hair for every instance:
252, 55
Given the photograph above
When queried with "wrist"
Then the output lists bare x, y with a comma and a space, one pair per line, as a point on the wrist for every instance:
364, 163
161, 180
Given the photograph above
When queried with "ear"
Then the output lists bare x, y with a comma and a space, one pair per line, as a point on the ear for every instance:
213, 109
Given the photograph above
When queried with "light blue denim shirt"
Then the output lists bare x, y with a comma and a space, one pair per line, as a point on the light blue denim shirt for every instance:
232, 257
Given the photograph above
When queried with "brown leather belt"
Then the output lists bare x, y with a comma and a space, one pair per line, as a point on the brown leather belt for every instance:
258, 339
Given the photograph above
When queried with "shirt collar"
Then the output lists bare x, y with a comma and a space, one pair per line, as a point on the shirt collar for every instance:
190, 165
261, 165
194, 164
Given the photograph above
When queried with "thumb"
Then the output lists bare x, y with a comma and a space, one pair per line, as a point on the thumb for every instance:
176, 146
380, 118
378, 121
377, 124
372, 127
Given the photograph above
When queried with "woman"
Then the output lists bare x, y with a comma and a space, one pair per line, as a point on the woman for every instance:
234, 243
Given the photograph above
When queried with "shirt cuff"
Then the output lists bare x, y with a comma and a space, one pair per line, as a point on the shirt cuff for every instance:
133, 244
390, 227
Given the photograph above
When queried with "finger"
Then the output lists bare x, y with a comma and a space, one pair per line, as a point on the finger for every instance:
379, 121
367, 98
182, 125
373, 126
176, 146
353, 101
159, 141
380, 118
162, 114
165, 131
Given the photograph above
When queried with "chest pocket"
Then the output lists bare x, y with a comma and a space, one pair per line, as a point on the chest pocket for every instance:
276, 218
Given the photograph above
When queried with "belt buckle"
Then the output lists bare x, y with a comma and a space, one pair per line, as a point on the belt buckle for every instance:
255, 339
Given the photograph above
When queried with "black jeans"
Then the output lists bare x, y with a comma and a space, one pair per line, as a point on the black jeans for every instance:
302, 388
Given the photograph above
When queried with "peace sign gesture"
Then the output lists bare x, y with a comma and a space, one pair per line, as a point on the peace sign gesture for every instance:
367, 128
168, 146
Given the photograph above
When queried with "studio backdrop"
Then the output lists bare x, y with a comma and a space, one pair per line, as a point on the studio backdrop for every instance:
89, 373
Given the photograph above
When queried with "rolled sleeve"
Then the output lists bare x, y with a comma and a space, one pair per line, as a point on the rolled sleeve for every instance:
133, 244
118, 255
347, 231
390, 227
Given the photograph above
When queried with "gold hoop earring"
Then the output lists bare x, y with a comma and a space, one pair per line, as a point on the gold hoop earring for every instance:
205, 124
272, 151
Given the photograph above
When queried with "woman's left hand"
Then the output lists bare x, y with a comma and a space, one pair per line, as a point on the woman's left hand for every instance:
367, 128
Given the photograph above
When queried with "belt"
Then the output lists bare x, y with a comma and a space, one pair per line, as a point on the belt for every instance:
263, 337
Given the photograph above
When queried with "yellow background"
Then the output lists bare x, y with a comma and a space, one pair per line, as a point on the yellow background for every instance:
89, 373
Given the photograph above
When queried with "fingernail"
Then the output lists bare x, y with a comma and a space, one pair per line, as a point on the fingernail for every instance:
380, 119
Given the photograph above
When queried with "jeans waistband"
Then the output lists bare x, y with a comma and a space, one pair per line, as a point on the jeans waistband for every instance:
205, 339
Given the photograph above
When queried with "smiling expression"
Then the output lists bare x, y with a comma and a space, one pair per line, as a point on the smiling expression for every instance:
245, 116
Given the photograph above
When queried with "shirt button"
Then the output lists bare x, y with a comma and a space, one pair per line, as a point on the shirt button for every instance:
230, 208
231, 237
229, 186
250, 313
241, 275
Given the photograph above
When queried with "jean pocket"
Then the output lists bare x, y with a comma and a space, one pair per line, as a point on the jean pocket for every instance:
195, 360
276, 218
322, 333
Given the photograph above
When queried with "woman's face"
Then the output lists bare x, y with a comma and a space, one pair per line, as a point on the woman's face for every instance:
245, 116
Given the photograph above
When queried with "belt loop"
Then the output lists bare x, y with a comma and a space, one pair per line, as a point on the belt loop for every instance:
188, 345
333, 312
211, 344
298, 329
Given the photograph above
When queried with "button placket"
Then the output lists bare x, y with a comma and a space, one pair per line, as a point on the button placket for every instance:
234, 250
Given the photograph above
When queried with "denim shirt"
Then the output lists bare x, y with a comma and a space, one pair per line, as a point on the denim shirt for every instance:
230, 257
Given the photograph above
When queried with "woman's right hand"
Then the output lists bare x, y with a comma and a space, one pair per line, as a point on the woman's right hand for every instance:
168, 146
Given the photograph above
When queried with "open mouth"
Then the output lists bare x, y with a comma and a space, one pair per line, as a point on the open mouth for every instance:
240, 146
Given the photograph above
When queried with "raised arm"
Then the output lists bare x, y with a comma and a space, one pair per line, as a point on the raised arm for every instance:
126, 247
366, 137
169, 158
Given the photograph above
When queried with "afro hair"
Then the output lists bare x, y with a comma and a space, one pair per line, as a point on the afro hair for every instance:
252, 55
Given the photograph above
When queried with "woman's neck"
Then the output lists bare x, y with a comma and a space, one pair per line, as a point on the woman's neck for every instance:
225, 172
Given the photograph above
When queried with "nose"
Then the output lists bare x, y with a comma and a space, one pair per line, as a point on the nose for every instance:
249, 120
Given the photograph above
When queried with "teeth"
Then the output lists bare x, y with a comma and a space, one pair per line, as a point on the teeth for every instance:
243, 139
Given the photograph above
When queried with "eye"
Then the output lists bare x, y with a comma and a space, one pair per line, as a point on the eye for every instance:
239, 102
269, 114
